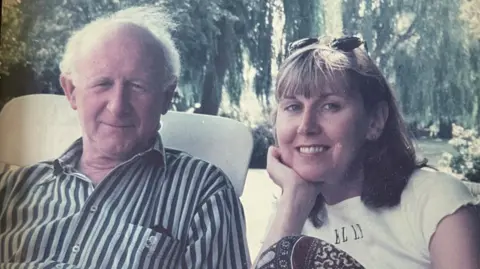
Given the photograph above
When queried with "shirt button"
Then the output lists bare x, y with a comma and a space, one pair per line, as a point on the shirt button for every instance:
75, 248
93, 209
152, 239
151, 242
59, 266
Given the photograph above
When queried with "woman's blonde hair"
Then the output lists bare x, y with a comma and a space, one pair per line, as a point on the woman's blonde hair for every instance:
390, 160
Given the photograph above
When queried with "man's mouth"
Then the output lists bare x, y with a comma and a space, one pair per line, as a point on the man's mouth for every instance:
119, 125
313, 149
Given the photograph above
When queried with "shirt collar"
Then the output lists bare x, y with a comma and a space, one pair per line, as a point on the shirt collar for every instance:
70, 158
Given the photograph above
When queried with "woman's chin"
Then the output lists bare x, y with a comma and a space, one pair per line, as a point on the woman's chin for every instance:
312, 176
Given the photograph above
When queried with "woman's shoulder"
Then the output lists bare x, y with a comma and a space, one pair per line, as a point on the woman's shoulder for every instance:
429, 197
433, 181
429, 188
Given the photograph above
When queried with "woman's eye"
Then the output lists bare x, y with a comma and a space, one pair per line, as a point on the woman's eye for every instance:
138, 87
294, 107
331, 107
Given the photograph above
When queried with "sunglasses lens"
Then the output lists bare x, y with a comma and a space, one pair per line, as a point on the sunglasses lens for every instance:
347, 44
301, 43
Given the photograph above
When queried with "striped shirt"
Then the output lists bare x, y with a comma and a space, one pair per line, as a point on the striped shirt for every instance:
160, 209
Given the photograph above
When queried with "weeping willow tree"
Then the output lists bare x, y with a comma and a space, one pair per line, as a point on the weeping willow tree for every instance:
216, 39
14, 69
11, 46
213, 44
302, 19
428, 63
259, 43
213, 37
209, 45
442, 89
432, 66
470, 13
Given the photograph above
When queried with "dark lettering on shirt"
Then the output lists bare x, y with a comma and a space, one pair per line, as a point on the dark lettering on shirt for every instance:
343, 234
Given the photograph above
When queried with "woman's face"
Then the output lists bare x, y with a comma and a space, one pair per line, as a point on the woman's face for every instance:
320, 137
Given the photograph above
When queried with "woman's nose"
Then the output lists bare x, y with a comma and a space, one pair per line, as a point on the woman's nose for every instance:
309, 124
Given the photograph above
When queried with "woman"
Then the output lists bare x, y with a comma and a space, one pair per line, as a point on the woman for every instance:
349, 174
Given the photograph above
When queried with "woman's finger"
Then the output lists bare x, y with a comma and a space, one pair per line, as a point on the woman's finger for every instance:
278, 171
273, 164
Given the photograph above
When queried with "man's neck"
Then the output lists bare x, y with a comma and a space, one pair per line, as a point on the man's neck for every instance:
96, 168
96, 164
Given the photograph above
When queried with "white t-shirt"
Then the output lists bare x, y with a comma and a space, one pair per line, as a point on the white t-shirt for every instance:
397, 237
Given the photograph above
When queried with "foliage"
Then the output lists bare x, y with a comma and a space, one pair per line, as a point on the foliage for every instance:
209, 47
470, 13
262, 139
302, 19
258, 36
212, 37
12, 48
432, 67
467, 161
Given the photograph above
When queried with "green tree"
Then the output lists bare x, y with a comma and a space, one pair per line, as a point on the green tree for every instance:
428, 63
213, 38
12, 48
470, 13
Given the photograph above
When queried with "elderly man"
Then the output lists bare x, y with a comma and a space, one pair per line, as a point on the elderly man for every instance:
117, 198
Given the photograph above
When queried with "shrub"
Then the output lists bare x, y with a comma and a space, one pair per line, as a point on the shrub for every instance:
262, 139
467, 161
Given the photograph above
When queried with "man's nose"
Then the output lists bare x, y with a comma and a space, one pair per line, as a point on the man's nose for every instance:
119, 101
309, 124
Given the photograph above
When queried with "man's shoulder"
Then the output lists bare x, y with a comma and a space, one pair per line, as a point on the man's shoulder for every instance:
196, 169
174, 157
29, 174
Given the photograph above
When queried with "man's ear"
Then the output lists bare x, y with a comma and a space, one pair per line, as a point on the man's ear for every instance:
168, 94
378, 119
69, 90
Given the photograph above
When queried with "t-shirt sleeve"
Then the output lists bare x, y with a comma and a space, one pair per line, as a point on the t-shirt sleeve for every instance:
435, 196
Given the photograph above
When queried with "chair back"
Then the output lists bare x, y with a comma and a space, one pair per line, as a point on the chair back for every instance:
40, 127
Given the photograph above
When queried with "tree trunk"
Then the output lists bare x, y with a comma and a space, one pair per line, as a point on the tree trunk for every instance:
209, 102
215, 75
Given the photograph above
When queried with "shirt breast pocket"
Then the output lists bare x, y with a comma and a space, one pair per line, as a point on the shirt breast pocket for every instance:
153, 249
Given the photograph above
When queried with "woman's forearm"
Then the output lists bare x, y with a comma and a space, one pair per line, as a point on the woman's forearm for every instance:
293, 208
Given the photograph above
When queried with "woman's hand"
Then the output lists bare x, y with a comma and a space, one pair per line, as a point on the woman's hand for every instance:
288, 180
295, 204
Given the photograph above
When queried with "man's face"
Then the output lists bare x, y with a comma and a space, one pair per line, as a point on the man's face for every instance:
119, 90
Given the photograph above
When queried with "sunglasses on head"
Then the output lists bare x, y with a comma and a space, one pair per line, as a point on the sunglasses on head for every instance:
346, 43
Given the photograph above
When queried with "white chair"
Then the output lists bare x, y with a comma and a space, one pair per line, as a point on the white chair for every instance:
40, 127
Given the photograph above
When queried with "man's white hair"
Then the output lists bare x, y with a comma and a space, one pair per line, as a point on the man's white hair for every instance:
153, 19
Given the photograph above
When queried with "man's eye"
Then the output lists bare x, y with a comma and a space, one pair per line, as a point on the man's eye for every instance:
103, 84
139, 87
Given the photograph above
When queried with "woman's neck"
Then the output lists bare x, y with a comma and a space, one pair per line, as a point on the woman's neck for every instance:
347, 186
